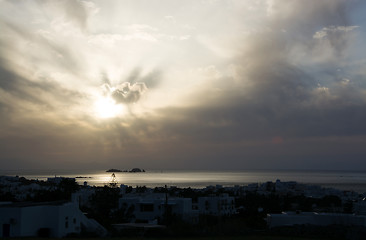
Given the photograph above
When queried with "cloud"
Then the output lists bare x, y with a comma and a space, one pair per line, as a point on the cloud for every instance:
272, 93
136, 84
135, 32
336, 36
125, 92
337, 30
141, 28
326, 13
287, 90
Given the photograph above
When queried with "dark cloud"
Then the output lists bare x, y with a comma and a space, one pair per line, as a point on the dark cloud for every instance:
276, 96
273, 97
134, 86
127, 93
34, 92
304, 18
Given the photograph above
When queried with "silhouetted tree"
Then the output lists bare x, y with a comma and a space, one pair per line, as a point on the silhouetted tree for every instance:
104, 200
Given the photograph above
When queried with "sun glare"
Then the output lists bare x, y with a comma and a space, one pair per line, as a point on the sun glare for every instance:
107, 108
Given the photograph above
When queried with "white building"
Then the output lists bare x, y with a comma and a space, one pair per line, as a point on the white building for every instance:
222, 205
82, 197
52, 219
58, 180
152, 207
359, 207
312, 218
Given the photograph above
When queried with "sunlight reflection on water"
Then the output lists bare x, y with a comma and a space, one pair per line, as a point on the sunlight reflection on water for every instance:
198, 179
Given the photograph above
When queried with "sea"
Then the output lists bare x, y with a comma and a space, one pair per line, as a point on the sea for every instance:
342, 180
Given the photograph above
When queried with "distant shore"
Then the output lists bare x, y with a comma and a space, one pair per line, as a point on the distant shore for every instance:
133, 170
343, 180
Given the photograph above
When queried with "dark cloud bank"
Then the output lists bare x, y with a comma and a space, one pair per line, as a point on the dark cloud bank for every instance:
278, 112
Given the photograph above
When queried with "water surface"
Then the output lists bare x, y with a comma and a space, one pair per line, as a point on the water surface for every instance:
355, 181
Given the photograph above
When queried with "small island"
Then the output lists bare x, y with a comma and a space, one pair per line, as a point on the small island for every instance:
133, 170
137, 170
114, 170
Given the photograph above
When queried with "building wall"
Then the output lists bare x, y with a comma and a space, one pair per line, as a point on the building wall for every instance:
59, 219
13, 220
35, 217
69, 219
276, 220
151, 207
322, 219
360, 207
216, 205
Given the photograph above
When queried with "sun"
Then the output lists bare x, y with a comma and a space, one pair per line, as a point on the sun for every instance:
106, 107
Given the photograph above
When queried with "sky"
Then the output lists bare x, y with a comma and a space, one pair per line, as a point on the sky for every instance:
193, 84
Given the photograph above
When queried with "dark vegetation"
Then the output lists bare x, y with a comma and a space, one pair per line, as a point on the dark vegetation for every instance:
53, 192
248, 237
249, 220
252, 209
104, 206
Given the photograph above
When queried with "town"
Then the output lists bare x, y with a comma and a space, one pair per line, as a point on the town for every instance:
59, 207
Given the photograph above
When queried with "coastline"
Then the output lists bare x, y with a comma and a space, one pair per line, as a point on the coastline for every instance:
342, 180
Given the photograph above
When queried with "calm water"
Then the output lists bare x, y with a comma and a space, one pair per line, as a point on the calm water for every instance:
355, 181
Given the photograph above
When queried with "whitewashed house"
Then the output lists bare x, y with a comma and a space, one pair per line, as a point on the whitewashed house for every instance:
359, 207
58, 180
152, 207
222, 205
50, 219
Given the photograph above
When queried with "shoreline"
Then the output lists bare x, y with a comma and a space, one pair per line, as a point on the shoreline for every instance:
345, 180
